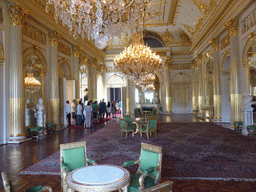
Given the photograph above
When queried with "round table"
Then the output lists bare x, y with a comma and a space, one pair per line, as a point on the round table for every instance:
99, 178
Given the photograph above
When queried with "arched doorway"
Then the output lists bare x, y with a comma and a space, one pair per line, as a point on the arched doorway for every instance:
181, 93
35, 66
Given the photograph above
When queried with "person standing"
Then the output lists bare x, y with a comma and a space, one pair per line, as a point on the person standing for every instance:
113, 107
88, 112
80, 114
68, 111
73, 112
95, 108
108, 110
102, 109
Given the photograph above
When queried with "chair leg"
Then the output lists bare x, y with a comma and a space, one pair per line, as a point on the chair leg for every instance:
155, 134
147, 135
126, 134
121, 133
133, 134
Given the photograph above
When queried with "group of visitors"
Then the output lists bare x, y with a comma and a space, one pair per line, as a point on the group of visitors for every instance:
88, 114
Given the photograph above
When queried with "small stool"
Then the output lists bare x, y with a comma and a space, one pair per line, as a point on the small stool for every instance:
238, 125
36, 132
251, 129
51, 127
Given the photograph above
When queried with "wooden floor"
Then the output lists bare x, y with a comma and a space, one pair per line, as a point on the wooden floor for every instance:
16, 157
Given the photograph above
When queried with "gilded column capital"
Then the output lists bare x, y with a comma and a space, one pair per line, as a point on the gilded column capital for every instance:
199, 58
95, 62
54, 38
77, 51
193, 63
215, 43
103, 68
168, 63
17, 14
252, 36
232, 26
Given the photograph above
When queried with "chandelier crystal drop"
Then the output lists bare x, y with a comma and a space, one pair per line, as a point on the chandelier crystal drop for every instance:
31, 83
91, 17
137, 60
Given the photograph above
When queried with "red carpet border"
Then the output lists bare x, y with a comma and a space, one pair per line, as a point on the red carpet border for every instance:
190, 151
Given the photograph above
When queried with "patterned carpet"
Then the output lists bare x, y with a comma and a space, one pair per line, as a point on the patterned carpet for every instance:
190, 151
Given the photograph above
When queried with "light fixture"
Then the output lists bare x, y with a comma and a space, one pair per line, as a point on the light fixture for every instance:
137, 60
91, 17
31, 83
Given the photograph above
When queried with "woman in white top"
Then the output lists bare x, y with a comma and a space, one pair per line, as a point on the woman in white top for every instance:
88, 115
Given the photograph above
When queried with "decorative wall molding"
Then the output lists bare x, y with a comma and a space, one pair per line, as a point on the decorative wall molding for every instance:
17, 14
62, 48
1, 16
111, 70
34, 33
181, 66
54, 38
249, 21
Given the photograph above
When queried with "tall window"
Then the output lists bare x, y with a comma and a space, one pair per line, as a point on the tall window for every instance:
83, 80
137, 97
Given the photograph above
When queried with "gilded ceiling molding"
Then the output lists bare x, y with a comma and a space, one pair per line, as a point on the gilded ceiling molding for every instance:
185, 39
232, 27
199, 58
17, 14
190, 29
215, 43
1, 55
251, 36
34, 33
77, 51
168, 62
193, 63
225, 42
111, 70
54, 38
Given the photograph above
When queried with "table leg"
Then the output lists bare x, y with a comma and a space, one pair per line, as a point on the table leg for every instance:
125, 188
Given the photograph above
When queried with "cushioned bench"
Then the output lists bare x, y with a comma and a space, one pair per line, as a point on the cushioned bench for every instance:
251, 129
51, 127
36, 131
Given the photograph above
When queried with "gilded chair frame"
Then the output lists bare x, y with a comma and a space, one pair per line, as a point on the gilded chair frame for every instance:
155, 149
162, 187
148, 131
126, 128
7, 186
152, 113
63, 170
139, 113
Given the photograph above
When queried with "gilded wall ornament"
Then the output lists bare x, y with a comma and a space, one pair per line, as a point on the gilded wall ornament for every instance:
251, 36
54, 38
167, 37
225, 42
190, 29
185, 39
232, 27
95, 62
193, 63
215, 43
34, 33
62, 48
199, 58
168, 62
181, 66
77, 51
17, 14
1, 16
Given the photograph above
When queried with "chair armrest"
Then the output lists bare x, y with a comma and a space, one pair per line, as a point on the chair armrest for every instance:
149, 170
66, 167
127, 163
47, 188
141, 181
92, 161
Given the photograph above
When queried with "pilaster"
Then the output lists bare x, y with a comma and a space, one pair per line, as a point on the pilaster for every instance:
200, 83
76, 53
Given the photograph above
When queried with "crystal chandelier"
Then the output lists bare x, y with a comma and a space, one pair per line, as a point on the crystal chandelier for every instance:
99, 20
137, 60
31, 83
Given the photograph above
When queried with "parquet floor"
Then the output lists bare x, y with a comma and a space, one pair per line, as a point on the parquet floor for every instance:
16, 157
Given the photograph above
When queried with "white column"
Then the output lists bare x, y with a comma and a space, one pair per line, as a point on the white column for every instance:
168, 85
200, 84
54, 78
77, 52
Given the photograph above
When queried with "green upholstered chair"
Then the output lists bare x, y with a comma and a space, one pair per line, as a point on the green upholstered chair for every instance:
8, 186
154, 112
129, 121
150, 167
150, 127
72, 156
125, 128
137, 113
162, 187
